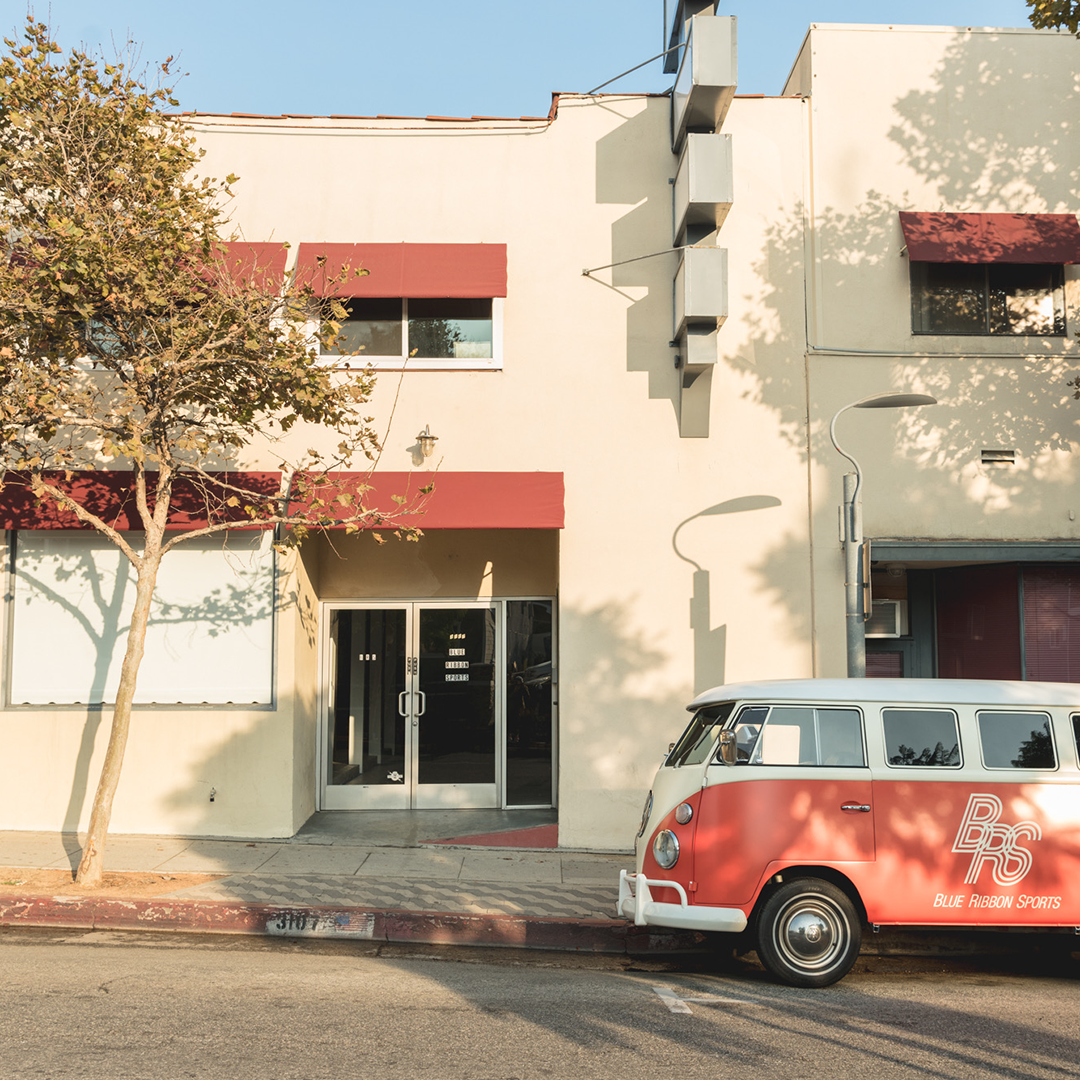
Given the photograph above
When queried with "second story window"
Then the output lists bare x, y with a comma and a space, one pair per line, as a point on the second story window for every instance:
1002, 298
383, 329
416, 306
989, 274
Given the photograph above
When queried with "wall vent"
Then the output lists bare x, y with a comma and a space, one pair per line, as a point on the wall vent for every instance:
885, 620
999, 457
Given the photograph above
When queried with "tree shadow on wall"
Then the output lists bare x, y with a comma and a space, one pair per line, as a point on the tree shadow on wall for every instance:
1019, 401
992, 132
622, 720
90, 591
988, 131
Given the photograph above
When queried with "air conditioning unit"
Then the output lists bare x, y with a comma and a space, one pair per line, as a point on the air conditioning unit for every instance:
884, 622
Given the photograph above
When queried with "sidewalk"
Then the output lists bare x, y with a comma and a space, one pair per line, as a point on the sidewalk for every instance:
322, 883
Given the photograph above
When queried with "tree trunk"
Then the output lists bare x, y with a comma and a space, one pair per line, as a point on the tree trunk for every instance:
92, 864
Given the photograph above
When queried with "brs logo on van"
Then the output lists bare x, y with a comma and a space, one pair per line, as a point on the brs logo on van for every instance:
994, 843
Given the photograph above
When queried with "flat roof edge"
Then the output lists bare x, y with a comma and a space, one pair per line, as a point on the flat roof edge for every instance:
922, 28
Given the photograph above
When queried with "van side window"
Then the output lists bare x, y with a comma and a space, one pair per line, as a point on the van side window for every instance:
1076, 734
747, 729
804, 735
921, 737
1016, 740
700, 736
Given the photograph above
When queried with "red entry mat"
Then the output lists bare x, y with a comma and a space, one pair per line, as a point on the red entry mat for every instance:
539, 836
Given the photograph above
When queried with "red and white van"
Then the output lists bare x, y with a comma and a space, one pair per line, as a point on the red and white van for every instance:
801, 809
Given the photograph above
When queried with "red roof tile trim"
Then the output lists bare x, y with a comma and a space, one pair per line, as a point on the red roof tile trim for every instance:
413, 270
991, 238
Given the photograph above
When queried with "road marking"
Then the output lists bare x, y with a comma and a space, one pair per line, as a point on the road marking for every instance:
674, 1003
677, 1004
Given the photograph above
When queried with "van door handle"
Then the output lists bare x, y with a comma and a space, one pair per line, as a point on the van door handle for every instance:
863, 808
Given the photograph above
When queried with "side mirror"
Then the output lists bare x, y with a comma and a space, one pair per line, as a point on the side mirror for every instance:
728, 750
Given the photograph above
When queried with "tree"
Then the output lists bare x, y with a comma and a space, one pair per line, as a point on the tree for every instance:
133, 338
1055, 15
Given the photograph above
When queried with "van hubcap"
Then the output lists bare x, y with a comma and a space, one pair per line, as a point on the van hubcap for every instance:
809, 935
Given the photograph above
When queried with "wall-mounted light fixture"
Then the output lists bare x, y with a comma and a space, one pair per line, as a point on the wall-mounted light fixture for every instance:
427, 441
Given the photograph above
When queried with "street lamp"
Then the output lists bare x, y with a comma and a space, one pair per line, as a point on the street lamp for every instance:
853, 535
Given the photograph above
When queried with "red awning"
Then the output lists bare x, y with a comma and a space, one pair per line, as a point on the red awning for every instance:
481, 500
416, 270
255, 265
991, 238
475, 500
110, 494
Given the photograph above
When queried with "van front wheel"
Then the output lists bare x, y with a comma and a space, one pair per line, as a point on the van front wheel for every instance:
808, 933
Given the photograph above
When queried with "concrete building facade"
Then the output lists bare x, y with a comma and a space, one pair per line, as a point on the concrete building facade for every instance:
636, 496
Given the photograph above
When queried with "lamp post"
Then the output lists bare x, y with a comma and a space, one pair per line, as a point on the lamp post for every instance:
854, 617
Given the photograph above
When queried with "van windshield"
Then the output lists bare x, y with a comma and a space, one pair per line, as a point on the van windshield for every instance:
700, 737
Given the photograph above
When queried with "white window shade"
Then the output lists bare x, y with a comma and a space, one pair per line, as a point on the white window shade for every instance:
210, 638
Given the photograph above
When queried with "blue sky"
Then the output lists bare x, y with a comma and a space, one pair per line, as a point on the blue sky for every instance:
448, 57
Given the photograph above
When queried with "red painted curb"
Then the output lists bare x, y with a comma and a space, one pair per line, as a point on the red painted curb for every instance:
419, 927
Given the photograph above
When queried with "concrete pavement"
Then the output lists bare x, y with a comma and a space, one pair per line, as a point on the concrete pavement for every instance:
413, 878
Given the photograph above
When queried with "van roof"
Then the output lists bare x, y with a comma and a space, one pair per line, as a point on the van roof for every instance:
897, 691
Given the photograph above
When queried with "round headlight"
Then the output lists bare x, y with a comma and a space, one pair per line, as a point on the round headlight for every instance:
683, 813
645, 814
665, 849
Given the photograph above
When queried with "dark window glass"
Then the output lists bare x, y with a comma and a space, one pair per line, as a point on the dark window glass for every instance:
529, 658
452, 329
1076, 734
1016, 740
455, 737
948, 298
698, 739
804, 735
747, 729
840, 732
1000, 298
788, 737
921, 737
372, 328
103, 338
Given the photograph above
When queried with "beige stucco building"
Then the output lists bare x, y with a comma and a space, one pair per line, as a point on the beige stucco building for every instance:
636, 493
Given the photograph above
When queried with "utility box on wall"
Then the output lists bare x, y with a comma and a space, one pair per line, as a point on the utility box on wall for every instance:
701, 289
707, 77
704, 186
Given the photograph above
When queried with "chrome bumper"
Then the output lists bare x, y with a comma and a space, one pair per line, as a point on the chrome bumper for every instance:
636, 902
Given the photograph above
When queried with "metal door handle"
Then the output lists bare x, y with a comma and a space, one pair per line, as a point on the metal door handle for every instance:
402, 711
421, 703
863, 808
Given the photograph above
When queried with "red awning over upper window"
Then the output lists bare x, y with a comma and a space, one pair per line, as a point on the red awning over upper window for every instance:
410, 270
991, 238
254, 265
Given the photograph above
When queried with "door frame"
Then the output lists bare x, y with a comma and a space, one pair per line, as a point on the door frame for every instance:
325, 678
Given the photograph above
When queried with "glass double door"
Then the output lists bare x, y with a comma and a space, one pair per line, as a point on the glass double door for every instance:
412, 707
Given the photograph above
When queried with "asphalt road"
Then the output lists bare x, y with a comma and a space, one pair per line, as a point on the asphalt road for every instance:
78, 1004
